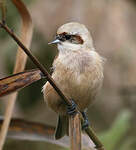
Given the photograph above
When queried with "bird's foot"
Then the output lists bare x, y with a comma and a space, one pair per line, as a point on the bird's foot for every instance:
71, 109
85, 124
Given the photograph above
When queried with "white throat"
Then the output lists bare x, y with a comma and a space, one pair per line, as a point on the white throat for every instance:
69, 47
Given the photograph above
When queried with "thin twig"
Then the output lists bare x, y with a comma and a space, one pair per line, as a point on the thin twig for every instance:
91, 133
26, 36
51, 81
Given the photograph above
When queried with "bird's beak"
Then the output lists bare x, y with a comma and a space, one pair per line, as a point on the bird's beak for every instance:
56, 41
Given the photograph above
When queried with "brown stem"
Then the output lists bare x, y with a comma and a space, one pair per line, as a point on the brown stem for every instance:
90, 133
75, 132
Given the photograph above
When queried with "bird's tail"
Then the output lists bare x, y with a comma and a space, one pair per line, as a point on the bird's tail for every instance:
62, 127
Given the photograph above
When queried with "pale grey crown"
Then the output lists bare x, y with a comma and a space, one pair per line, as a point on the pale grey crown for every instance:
75, 28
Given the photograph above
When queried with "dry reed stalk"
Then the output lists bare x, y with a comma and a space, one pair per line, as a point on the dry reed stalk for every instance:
3, 10
26, 36
75, 131
18, 81
34, 131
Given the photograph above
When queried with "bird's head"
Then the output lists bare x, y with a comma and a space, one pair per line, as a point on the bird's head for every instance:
73, 36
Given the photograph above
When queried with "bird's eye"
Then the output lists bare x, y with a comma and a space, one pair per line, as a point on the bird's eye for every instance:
68, 37
75, 39
64, 37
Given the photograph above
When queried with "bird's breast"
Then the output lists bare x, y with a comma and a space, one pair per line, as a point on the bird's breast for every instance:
78, 76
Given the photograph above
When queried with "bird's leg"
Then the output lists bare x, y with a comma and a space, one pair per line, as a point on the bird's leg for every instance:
71, 109
86, 122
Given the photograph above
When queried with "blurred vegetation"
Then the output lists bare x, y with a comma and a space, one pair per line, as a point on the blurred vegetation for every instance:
118, 131
112, 24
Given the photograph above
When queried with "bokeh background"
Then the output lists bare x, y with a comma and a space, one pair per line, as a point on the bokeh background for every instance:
112, 24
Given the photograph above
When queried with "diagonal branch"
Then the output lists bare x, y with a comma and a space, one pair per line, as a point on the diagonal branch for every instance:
26, 36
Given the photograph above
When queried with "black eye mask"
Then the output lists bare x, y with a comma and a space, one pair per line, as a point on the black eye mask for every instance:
75, 39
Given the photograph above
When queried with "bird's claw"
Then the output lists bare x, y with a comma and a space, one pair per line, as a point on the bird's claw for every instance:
85, 124
71, 109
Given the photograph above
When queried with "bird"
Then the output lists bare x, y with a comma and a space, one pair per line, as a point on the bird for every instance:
77, 71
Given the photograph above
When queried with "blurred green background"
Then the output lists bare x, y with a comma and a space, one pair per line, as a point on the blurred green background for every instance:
112, 24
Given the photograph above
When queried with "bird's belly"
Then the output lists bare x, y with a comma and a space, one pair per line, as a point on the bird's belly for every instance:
77, 87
